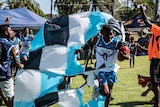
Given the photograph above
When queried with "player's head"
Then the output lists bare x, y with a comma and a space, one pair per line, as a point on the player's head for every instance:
132, 39
107, 30
6, 31
26, 30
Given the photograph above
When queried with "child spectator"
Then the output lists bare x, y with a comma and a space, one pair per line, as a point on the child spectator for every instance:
133, 51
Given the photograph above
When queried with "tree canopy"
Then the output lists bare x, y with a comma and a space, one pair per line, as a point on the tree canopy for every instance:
29, 4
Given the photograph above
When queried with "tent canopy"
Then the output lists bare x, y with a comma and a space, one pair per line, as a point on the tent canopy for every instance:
22, 17
134, 22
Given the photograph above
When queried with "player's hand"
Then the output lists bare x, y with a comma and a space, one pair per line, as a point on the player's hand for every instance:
21, 66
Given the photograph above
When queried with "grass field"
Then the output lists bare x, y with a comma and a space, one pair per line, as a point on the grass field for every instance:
126, 92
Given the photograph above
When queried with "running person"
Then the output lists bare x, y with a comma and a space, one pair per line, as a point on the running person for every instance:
106, 45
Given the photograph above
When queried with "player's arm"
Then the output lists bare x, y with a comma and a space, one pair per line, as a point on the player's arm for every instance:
20, 46
144, 16
90, 43
13, 53
142, 48
7, 21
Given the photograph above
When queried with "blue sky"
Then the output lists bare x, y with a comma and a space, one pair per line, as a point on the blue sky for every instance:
45, 6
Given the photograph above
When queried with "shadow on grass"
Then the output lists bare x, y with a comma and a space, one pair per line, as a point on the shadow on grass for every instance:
132, 104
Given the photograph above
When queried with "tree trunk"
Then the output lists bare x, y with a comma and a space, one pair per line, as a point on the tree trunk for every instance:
51, 9
156, 13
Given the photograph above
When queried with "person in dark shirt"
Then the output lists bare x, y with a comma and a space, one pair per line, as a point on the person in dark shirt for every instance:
6, 54
133, 52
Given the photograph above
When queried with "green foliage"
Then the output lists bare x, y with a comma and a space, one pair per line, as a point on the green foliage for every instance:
127, 12
1, 3
113, 7
149, 6
29, 4
66, 7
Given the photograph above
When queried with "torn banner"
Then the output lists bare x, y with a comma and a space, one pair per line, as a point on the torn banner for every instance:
52, 54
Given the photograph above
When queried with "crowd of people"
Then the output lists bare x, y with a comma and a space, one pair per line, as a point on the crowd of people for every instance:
137, 47
14, 50
149, 45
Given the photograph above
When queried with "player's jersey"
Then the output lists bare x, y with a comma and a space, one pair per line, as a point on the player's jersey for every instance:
15, 42
5, 60
26, 43
106, 53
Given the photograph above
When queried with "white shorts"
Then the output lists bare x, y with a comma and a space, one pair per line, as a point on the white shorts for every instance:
7, 88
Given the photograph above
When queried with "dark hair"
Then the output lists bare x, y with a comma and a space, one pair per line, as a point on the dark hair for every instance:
25, 28
132, 38
107, 27
3, 28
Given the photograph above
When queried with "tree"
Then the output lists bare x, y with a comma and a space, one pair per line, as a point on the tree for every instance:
149, 6
126, 12
156, 13
66, 7
29, 4
1, 3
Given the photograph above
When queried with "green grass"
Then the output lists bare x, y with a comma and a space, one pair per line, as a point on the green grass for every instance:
126, 92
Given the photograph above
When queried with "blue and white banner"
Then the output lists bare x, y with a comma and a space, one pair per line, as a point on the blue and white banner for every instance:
52, 56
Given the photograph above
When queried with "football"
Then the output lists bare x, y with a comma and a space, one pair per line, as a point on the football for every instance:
124, 53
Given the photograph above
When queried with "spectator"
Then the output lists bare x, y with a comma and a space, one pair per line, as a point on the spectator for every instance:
141, 46
127, 33
18, 34
31, 33
147, 40
154, 57
7, 50
26, 39
141, 40
133, 51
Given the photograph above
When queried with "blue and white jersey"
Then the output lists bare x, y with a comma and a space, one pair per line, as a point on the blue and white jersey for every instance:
26, 43
3, 39
5, 63
15, 42
106, 53
6, 50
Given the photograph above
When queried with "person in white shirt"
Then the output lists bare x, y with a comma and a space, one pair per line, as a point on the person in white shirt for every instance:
107, 48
